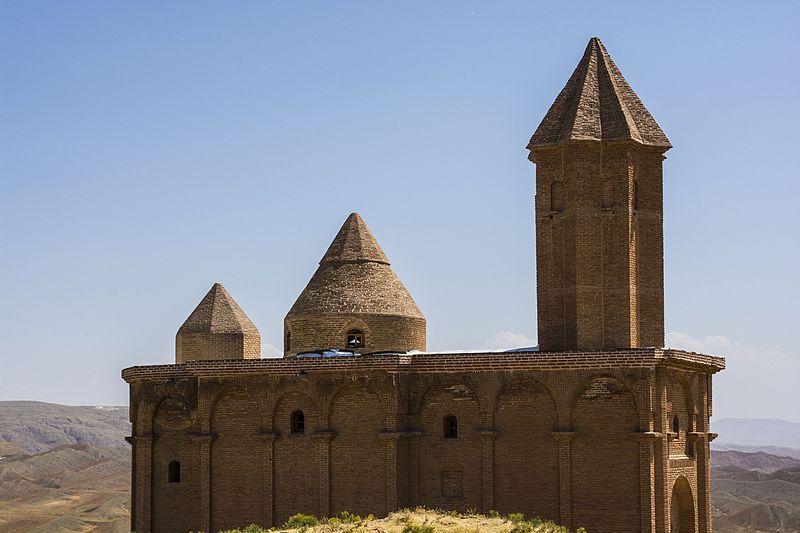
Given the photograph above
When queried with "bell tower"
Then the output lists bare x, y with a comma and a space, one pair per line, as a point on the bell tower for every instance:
599, 214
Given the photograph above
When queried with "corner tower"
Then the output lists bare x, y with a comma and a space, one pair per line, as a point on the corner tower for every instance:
354, 301
217, 329
599, 216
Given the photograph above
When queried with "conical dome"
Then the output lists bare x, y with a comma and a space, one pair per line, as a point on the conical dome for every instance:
217, 329
354, 289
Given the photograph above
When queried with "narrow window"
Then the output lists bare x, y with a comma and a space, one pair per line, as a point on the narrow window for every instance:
288, 341
174, 472
355, 339
298, 423
557, 196
676, 425
450, 427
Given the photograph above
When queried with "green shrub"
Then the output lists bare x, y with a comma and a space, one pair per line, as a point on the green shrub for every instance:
516, 518
301, 521
414, 528
493, 514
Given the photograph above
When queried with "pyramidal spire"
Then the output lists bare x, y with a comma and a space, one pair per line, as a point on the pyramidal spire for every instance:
218, 312
354, 242
597, 104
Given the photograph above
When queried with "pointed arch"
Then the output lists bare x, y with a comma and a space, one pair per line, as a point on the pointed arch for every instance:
681, 507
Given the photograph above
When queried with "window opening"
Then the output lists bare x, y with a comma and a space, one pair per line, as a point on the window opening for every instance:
450, 427
355, 339
298, 423
174, 472
676, 425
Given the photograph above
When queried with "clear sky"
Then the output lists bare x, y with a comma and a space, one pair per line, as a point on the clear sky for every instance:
149, 150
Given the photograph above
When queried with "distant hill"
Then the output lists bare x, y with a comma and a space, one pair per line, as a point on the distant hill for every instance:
757, 461
75, 487
755, 492
756, 432
37, 426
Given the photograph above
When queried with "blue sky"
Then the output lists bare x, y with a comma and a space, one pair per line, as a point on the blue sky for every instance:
149, 150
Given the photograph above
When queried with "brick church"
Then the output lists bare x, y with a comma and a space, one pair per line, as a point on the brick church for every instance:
600, 427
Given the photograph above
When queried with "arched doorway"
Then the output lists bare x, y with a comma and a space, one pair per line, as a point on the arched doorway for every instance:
681, 509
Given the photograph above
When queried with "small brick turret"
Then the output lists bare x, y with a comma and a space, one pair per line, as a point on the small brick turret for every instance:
354, 301
217, 329
599, 228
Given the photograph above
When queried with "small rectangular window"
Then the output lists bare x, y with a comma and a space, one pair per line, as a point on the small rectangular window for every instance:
174, 472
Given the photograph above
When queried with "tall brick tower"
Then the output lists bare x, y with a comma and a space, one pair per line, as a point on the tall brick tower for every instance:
599, 228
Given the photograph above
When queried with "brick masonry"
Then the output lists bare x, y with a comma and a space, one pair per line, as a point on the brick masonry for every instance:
582, 438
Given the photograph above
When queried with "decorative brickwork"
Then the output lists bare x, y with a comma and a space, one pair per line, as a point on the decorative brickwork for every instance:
603, 428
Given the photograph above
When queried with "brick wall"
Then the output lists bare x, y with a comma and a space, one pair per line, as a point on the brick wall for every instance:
381, 332
572, 436
599, 252
216, 346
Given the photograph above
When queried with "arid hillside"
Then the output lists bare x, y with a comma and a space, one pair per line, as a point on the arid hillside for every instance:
63, 468
755, 491
38, 426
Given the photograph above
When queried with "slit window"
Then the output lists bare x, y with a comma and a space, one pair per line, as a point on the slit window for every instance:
676, 425
288, 341
355, 339
298, 423
450, 427
174, 472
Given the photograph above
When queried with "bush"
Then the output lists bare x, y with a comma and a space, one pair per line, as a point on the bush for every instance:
414, 528
301, 521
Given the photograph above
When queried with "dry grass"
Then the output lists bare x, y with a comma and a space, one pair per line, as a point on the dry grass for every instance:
419, 520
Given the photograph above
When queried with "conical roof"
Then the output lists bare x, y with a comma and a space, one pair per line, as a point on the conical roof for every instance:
354, 242
217, 312
597, 104
354, 277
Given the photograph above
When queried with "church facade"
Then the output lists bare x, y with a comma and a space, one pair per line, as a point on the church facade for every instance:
602, 427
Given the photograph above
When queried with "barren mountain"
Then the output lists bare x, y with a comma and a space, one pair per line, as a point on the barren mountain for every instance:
63, 468
759, 461
37, 426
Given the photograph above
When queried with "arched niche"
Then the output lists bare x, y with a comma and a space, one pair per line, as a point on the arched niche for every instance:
296, 463
358, 452
237, 460
526, 454
175, 505
605, 456
680, 417
450, 468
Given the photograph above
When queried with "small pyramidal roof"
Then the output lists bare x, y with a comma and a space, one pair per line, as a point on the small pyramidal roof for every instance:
597, 104
355, 277
354, 242
217, 312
